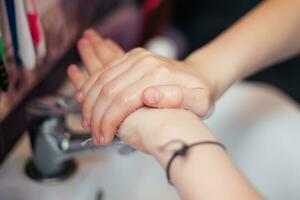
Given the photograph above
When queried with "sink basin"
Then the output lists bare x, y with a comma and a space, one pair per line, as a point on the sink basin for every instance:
133, 176
259, 126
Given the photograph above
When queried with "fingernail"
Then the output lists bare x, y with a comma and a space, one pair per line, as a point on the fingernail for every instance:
152, 96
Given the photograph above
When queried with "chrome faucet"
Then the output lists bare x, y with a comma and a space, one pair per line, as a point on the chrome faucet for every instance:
53, 144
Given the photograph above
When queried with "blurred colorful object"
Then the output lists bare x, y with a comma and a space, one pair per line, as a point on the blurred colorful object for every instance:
35, 28
11, 12
26, 49
3, 72
151, 5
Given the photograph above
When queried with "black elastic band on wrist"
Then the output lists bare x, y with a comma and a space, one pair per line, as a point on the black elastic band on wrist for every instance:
183, 151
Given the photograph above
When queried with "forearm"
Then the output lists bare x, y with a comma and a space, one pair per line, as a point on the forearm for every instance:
266, 35
206, 172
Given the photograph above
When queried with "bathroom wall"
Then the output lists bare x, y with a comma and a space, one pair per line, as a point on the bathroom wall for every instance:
63, 21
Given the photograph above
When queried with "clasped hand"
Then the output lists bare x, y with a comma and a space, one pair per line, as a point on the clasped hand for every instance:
120, 83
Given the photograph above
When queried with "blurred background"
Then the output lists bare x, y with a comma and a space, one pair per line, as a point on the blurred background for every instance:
183, 25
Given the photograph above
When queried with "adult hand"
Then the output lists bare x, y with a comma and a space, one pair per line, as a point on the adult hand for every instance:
136, 79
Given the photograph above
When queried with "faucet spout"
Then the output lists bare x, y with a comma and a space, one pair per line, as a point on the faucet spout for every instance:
53, 144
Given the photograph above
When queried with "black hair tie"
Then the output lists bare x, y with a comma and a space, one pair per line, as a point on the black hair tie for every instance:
183, 151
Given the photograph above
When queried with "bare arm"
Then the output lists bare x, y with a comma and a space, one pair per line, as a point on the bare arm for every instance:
205, 173
268, 34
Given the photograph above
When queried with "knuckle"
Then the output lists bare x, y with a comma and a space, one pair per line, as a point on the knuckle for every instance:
106, 92
162, 71
122, 101
102, 80
103, 77
149, 59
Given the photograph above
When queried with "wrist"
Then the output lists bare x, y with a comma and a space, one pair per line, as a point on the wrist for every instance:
186, 127
218, 69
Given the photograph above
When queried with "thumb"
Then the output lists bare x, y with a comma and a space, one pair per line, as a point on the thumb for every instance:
198, 100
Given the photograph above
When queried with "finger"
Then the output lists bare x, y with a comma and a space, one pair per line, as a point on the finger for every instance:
114, 87
120, 82
91, 33
115, 47
88, 84
106, 54
173, 96
106, 50
117, 67
125, 103
90, 92
76, 76
81, 95
109, 53
101, 77
88, 56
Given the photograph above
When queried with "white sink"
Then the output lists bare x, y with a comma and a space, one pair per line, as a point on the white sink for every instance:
259, 125
261, 128
133, 176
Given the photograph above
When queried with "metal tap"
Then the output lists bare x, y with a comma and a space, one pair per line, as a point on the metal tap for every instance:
53, 143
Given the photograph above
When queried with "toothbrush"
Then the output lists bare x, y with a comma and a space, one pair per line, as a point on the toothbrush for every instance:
10, 7
35, 27
26, 49
3, 73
